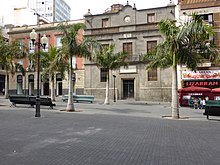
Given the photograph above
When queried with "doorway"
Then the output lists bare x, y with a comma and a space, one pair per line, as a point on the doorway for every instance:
46, 88
128, 89
2, 82
59, 88
31, 85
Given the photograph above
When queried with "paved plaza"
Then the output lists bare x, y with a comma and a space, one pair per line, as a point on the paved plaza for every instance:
122, 133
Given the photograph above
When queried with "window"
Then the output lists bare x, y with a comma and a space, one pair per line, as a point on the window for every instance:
30, 65
151, 18
31, 78
20, 43
58, 42
127, 47
74, 64
31, 47
105, 46
103, 74
151, 46
152, 74
208, 20
2, 67
105, 22
58, 77
19, 62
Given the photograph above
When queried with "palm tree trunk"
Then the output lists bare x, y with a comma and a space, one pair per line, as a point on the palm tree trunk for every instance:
52, 95
70, 105
175, 104
6, 85
107, 90
25, 84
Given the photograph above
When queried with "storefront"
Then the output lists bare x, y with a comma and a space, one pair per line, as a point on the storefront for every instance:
189, 93
199, 84
216, 93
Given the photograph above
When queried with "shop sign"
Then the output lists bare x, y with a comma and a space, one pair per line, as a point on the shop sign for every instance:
202, 83
201, 74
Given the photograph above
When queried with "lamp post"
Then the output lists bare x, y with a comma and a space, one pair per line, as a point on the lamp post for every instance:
114, 76
40, 43
74, 81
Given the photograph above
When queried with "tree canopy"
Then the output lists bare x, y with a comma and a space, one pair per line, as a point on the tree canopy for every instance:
187, 44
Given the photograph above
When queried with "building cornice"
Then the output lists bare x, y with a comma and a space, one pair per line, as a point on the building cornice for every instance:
184, 6
41, 27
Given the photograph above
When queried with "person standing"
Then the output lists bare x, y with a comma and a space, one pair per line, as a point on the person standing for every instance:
200, 103
196, 103
3, 91
203, 103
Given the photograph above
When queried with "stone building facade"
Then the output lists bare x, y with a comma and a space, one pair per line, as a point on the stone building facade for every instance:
137, 32
2, 68
28, 84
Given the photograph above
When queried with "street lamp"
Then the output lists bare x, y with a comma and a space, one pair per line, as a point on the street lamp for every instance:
114, 76
42, 42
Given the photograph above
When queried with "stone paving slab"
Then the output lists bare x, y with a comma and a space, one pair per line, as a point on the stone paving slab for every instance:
116, 134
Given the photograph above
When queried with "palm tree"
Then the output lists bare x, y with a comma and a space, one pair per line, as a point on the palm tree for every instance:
53, 63
107, 59
72, 46
183, 45
10, 51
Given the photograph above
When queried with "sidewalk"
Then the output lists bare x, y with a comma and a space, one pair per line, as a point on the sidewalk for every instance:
120, 107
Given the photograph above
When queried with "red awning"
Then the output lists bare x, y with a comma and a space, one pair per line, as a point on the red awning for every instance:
194, 89
217, 90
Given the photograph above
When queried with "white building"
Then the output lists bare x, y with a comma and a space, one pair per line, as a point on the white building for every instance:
52, 10
24, 16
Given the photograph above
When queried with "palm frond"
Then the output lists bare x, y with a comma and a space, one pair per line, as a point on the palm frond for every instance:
106, 58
